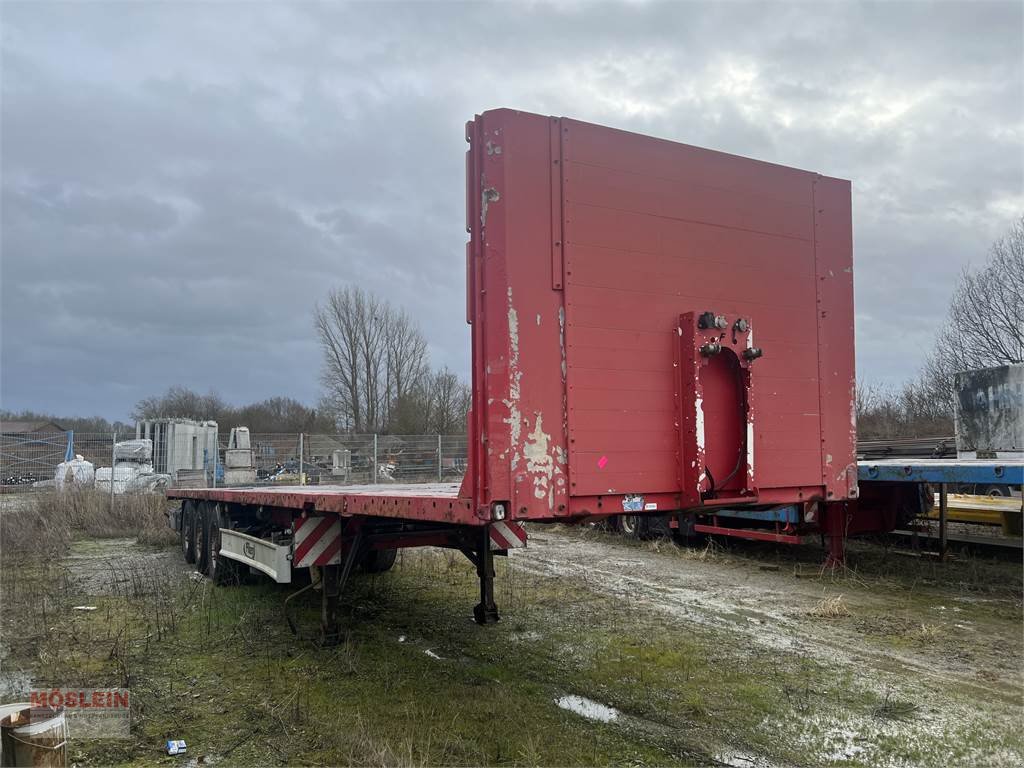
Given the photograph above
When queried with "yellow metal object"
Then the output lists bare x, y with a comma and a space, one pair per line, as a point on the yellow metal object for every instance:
987, 510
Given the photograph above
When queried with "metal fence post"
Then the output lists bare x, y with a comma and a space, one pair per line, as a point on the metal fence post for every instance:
943, 518
439, 458
302, 480
113, 463
373, 470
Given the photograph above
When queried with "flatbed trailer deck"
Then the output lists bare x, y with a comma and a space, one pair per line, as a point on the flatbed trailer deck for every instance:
943, 474
943, 471
439, 502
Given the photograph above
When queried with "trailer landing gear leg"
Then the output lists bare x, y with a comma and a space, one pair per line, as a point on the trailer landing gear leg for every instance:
836, 532
486, 612
334, 579
329, 592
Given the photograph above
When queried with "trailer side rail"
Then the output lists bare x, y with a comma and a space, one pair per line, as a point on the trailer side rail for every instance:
438, 502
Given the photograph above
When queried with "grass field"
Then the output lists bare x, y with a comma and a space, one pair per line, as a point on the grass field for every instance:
748, 657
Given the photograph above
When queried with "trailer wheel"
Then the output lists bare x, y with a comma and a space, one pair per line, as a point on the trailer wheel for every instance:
628, 525
685, 535
201, 536
221, 570
650, 527
187, 532
379, 560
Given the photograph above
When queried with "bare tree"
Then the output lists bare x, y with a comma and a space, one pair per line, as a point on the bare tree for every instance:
275, 414
985, 324
450, 401
910, 411
373, 321
181, 402
437, 405
337, 325
406, 361
374, 356
984, 328
878, 414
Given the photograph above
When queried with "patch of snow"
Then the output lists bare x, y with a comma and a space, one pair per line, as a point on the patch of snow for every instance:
737, 759
588, 708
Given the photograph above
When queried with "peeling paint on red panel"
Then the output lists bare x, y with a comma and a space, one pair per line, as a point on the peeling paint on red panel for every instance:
614, 235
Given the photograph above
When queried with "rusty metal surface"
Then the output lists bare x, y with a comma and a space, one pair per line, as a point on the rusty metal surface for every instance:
922, 447
587, 244
446, 490
989, 411
943, 471
748, 533
833, 277
714, 397
437, 502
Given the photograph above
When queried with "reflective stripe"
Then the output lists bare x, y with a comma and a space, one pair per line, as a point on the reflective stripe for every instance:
506, 535
317, 541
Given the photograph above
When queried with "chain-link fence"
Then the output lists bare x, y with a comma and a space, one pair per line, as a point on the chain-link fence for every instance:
28, 458
197, 454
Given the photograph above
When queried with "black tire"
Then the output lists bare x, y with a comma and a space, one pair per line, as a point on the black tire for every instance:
686, 536
221, 570
202, 534
379, 560
650, 527
187, 532
628, 526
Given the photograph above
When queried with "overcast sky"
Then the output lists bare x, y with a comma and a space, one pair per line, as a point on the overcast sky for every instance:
181, 183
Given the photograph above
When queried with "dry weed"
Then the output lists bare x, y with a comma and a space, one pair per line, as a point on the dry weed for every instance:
830, 608
32, 531
663, 544
43, 524
923, 633
894, 708
708, 552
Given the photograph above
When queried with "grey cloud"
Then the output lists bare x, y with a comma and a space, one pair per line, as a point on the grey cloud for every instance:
182, 183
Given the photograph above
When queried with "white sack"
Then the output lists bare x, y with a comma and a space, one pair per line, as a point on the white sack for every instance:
134, 450
124, 476
131, 478
77, 473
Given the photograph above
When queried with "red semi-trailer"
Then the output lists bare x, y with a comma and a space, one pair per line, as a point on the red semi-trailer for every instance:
656, 329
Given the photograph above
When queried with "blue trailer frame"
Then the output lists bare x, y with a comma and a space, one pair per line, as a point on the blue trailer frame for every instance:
943, 473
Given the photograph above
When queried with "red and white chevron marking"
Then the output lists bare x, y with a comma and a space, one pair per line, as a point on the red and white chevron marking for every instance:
317, 541
507, 535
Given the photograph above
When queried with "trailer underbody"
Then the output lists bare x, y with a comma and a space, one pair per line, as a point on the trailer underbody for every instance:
331, 530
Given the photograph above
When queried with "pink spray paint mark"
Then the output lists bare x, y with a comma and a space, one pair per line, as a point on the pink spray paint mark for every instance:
602, 462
